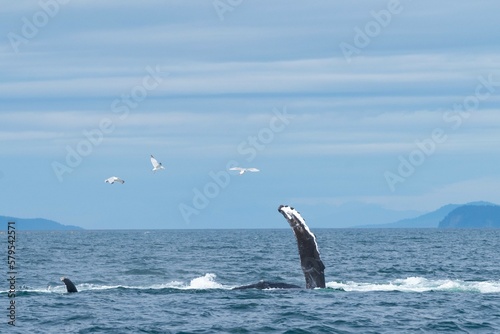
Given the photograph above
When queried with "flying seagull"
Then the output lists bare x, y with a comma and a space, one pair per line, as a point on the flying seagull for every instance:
114, 179
156, 165
243, 170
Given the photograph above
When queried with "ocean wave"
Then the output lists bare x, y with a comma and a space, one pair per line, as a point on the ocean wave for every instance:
208, 282
420, 284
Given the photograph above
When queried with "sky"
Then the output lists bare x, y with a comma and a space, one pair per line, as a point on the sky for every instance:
354, 112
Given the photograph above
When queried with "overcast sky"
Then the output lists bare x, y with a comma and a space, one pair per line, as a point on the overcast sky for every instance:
393, 104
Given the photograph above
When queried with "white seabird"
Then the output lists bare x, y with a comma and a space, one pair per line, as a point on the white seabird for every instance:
114, 179
156, 165
243, 170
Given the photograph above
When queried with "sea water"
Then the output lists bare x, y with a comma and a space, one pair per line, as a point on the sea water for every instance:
180, 281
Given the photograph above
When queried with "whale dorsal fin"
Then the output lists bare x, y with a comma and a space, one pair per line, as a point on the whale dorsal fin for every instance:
70, 287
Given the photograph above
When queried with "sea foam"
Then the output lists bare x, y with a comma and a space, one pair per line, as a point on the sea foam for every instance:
419, 284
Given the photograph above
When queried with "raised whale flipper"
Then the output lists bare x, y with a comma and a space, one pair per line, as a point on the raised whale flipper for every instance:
268, 285
69, 285
312, 266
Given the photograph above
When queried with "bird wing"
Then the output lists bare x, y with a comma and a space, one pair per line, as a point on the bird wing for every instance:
237, 168
114, 179
154, 162
252, 169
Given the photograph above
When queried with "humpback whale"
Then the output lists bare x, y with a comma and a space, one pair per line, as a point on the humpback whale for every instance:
312, 266
70, 287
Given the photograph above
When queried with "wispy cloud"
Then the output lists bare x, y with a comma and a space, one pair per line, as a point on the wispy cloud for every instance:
352, 121
376, 77
460, 192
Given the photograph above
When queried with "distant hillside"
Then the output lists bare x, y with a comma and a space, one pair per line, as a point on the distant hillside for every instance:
473, 216
35, 224
428, 220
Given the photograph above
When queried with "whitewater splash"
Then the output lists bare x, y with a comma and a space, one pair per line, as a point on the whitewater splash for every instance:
419, 284
199, 283
208, 281
205, 282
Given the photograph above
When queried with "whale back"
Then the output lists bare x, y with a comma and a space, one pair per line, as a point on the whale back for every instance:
312, 266
262, 285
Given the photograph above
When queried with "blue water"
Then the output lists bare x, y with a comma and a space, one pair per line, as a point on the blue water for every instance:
179, 281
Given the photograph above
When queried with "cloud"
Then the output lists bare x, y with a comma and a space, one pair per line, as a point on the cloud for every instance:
55, 120
381, 78
27, 136
429, 199
223, 79
459, 192
309, 134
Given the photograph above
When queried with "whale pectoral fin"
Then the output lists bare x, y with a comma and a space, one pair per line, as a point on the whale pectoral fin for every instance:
312, 266
314, 272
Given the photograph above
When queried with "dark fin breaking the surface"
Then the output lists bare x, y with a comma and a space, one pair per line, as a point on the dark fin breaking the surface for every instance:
70, 287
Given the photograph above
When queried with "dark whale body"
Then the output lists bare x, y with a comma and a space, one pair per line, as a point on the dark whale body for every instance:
312, 266
70, 287
268, 285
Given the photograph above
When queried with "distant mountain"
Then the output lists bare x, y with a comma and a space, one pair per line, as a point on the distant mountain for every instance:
35, 224
473, 216
428, 220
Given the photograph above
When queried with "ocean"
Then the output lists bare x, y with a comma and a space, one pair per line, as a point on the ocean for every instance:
180, 281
